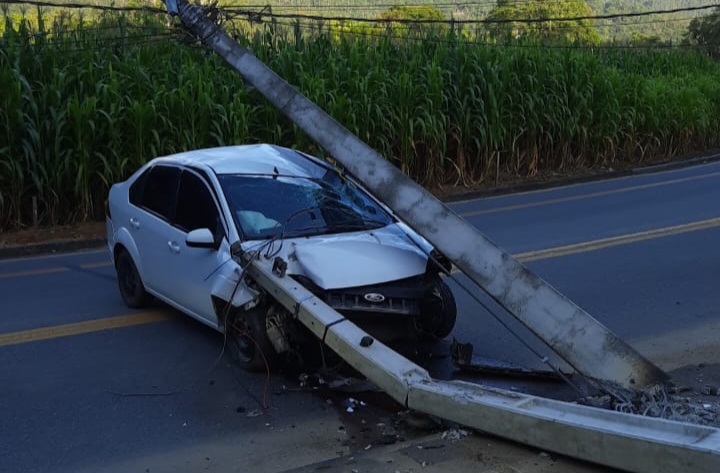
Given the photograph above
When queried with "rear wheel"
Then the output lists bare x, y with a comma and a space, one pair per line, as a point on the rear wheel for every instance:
248, 341
438, 312
132, 288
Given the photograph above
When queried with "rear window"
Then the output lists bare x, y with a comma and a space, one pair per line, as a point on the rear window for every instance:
159, 192
137, 187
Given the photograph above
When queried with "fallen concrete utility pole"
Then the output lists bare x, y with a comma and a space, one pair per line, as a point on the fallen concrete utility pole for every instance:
625, 441
583, 342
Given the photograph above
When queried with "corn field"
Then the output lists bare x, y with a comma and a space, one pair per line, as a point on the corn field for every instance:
83, 107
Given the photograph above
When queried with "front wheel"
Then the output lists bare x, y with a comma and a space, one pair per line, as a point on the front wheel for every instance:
438, 313
248, 341
132, 288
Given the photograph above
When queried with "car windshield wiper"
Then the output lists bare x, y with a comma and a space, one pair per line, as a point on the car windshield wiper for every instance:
364, 225
334, 228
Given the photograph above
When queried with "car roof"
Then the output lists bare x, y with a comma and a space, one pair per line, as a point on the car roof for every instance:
250, 159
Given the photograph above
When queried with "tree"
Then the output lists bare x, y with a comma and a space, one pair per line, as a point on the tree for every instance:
574, 31
705, 31
402, 18
412, 13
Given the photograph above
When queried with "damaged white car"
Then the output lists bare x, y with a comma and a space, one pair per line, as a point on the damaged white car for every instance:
174, 226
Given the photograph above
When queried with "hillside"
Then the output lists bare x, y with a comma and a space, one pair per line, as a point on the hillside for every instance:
665, 28
670, 27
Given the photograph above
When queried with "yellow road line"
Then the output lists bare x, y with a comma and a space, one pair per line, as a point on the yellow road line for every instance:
59, 331
588, 196
34, 272
593, 245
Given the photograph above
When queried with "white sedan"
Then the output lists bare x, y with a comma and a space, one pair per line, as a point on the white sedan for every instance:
177, 225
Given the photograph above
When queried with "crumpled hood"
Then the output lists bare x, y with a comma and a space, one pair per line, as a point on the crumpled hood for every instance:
356, 262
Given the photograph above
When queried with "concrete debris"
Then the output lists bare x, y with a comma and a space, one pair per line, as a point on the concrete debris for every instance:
667, 403
303, 379
388, 436
602, 402
684, 409
351, 404
454, 434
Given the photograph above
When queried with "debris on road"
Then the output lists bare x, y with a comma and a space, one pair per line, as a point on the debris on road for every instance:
454, 435
684, 404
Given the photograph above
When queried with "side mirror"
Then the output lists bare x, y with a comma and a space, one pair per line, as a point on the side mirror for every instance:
200, 238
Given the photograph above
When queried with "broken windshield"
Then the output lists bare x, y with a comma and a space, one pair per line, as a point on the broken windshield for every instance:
264, 206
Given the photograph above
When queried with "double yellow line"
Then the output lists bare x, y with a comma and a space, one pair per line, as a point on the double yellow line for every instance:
600, 244
590, 195
89, 326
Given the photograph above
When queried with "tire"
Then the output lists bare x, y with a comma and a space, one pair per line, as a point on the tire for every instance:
248, 341
438, 312
132, 288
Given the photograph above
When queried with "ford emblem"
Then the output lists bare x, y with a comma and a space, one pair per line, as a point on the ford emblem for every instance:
374, 297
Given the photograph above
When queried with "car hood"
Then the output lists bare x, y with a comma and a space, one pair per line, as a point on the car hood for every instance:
359, 259
353, 259
340, 264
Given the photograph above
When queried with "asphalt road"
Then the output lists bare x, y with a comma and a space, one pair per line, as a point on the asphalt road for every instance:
88, 385
640, 254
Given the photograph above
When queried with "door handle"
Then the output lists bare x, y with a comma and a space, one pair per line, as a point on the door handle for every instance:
135, 223
174, 247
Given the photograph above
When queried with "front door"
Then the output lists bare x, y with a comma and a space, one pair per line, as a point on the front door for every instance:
195, 267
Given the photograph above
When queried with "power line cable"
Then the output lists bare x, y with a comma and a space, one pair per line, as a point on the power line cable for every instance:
265, 13
241, 11
356, 6
76, 6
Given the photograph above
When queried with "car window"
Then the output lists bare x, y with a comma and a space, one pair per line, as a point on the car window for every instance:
137, 188
195, 205
160, 191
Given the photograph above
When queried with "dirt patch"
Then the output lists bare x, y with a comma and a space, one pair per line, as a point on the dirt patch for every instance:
75, 232
699, 384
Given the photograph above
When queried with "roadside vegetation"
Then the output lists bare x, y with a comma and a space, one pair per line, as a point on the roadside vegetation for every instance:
83, 104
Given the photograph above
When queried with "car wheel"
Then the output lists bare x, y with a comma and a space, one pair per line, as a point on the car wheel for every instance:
248, 341
132, 288
438, 312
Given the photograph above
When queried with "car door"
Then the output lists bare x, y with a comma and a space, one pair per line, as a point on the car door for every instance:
194, 268
154, 206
